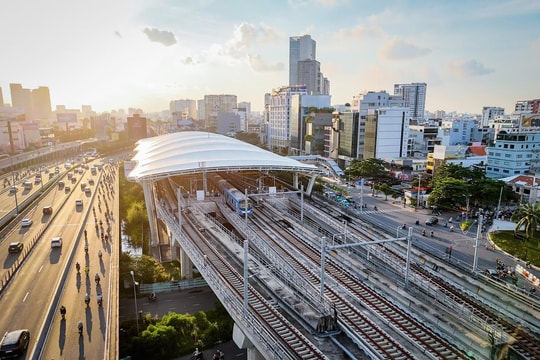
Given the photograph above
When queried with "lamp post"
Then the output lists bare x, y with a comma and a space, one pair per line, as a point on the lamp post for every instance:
418, 195
135, 295
14, 186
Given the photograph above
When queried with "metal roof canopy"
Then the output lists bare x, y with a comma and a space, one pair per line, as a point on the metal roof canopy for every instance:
191, 152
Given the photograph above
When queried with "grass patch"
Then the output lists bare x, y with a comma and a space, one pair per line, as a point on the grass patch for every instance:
525, 250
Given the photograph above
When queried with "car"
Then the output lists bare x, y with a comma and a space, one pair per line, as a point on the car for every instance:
61, 185
492, 274
56, 242
47, 210
78, 202
26, 222
15, 247
432, 221
87, 191
90, 181
67, 188
13, 189
14, 343
37, 180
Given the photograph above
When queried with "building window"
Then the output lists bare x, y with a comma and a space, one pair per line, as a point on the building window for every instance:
505, 146
511, 146
506, 171
507, 155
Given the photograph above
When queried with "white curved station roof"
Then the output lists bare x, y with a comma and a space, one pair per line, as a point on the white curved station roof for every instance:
191, 152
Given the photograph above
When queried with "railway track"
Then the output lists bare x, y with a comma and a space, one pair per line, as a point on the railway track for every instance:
526, 344
350, 316
293, 342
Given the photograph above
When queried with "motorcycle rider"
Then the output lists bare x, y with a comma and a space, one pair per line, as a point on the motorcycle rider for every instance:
100, 299
152, 296
63, 311
97, 278
78, 267
80, 327
87, 299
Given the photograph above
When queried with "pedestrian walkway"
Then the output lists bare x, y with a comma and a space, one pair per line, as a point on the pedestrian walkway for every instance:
181, 302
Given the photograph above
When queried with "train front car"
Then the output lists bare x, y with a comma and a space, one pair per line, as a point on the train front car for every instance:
234, 197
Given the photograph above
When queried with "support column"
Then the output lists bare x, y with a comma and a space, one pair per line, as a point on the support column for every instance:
151, 211
295, 180
310, 185
243, 342
186, 266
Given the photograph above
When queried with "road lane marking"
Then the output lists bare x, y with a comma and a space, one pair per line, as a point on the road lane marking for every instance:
25, 296
41, 268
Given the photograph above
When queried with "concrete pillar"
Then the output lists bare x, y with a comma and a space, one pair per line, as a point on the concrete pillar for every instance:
151, 211
186, 266
243, 342
295, 181
310, 185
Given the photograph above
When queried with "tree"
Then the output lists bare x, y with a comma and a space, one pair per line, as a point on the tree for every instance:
386, 190
367, 168
528, 217
449, 192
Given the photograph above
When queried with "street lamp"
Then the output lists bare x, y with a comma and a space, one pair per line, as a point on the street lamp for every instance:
418, 195
14, 186
135, 295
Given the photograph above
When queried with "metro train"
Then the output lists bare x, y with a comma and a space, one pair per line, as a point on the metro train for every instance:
234, 197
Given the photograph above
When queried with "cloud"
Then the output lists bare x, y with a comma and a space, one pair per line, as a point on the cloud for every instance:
468, 68
360, 31
166, 38
397, 49
117, 33
258, 64
245, 36
188, 61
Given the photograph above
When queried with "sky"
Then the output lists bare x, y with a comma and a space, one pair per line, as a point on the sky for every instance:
145, 53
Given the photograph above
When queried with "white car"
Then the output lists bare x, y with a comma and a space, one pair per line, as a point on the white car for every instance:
56, 242
26, 222
78, 202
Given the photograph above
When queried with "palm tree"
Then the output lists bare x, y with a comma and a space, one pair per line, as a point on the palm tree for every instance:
528, 216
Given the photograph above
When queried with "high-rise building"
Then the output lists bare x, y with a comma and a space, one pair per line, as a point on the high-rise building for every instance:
414, 95
371, 101
214, 104
136, 127
300, 48
35, 104
304, 69
279, 111
186, 108
386, 133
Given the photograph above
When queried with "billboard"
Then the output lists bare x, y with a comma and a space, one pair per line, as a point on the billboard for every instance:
66, 118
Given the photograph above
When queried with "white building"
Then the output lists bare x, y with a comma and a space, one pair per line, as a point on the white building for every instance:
185, 108
279, 119
489, 113
514, 152
372, 100
387, 133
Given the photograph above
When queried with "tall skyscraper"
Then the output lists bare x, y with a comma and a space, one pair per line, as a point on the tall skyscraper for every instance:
300, 48
414, 95
35, 104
